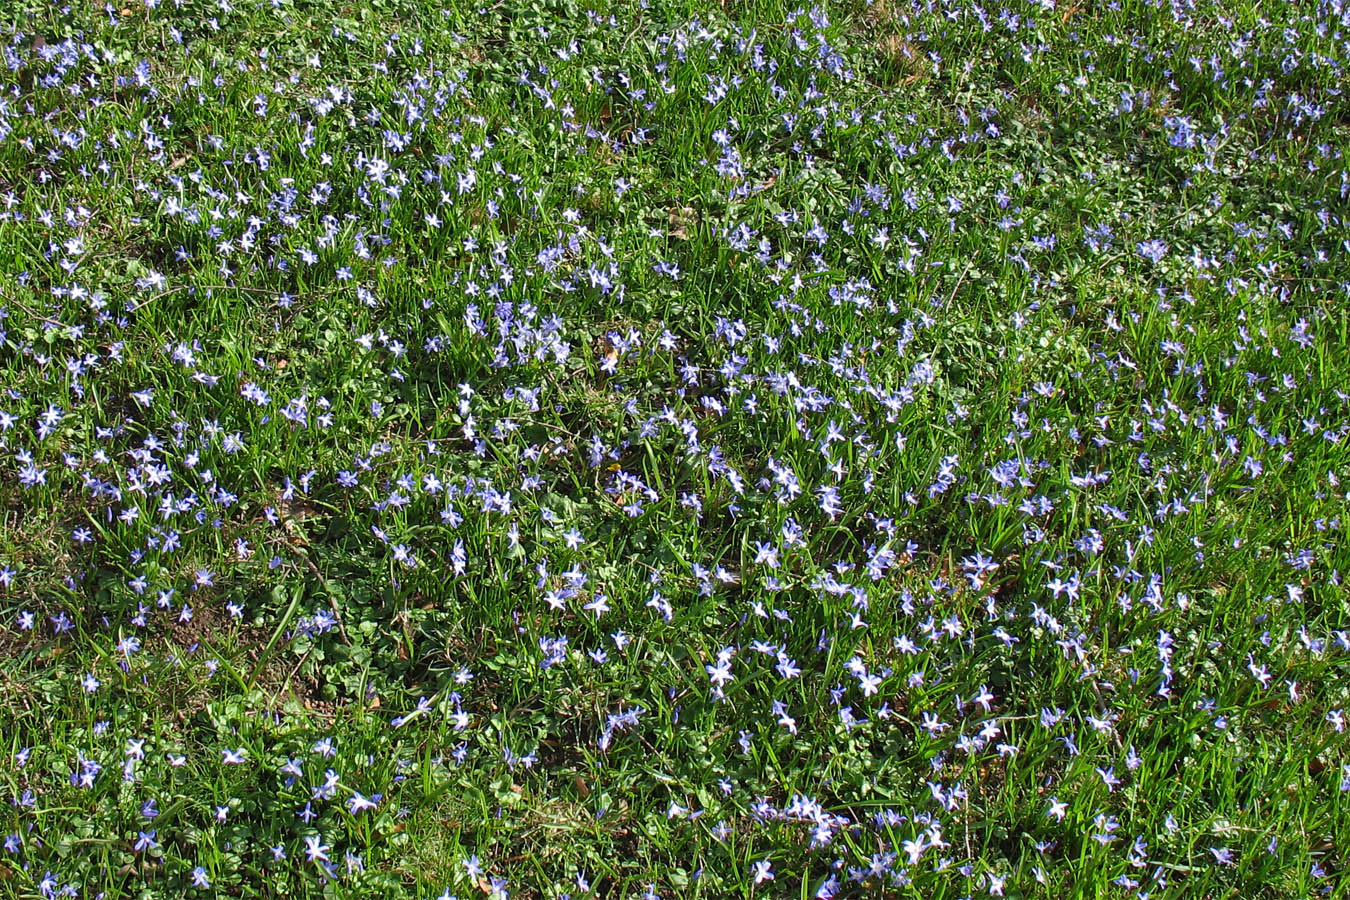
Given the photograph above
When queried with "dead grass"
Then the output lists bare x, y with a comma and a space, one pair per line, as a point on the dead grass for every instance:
900, 61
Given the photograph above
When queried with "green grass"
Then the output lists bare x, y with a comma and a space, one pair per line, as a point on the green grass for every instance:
678, 449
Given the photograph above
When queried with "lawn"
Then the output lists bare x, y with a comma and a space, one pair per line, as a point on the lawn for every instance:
549, 449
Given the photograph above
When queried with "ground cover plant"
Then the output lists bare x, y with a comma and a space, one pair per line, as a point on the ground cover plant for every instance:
674, 449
